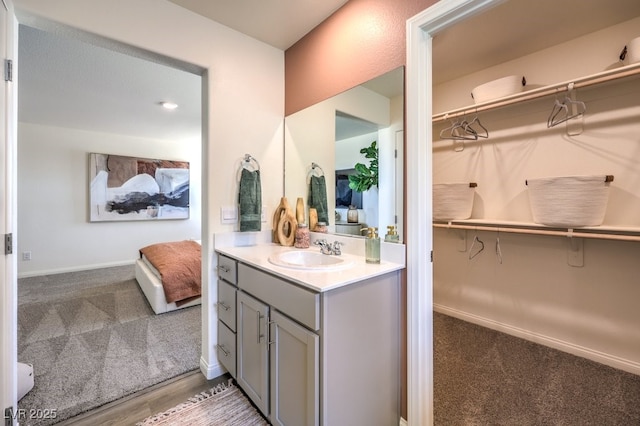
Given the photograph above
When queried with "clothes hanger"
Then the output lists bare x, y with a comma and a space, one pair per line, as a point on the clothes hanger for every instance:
457, 131
484, 133
479, 241
560, 112
558, 115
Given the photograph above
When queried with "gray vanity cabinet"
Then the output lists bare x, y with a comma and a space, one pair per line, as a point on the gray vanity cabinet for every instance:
278, 359
227, 291
319, 358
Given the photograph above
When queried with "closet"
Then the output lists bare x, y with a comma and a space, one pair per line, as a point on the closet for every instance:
572, 289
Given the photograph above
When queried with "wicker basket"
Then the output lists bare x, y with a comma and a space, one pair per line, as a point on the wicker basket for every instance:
453, 201
569, 201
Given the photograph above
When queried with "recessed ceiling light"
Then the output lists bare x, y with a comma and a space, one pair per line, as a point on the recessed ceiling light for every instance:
169, 105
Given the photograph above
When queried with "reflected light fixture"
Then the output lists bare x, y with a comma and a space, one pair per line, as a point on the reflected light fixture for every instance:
169, 105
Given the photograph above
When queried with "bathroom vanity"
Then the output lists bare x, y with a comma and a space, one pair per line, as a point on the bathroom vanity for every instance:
311, 344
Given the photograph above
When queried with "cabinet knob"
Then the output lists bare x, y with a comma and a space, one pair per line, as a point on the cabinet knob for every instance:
224, 268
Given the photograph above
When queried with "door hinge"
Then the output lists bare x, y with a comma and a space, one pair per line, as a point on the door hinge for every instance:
8, 70
8, 416
431, 256
8, 243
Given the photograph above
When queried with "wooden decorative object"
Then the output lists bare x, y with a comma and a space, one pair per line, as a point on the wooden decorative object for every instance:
277, 217
300, 210
313, 218
287, 229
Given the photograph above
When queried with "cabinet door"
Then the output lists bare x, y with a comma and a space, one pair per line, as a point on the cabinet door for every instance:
295, 376
253, 352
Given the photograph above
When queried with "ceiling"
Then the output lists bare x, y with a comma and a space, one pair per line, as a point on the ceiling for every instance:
68, 83
519, 27
279, 23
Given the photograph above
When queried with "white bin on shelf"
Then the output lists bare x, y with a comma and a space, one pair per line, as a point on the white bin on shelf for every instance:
569, 201
453, 201
499, 88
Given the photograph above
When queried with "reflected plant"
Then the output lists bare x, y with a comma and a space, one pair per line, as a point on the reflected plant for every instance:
366, 176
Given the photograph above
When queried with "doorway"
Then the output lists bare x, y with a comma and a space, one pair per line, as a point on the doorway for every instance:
84, 97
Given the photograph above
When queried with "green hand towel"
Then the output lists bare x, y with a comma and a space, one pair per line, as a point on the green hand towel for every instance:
250, 201
318, 197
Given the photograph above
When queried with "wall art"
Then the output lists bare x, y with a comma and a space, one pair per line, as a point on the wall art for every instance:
132, 188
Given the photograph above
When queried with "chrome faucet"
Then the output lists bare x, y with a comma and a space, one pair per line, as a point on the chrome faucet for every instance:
328, 248
336, 248
325, 247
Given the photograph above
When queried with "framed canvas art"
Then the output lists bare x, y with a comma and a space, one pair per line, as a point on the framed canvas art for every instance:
133, 188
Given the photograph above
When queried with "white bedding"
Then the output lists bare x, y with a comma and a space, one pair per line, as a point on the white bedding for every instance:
151, 285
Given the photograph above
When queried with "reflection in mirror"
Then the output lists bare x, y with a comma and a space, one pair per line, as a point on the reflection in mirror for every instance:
336, 134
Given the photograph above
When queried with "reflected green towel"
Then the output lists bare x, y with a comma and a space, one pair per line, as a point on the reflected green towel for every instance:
250, 201
318, 197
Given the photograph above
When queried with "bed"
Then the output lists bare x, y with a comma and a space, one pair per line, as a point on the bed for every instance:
169, 275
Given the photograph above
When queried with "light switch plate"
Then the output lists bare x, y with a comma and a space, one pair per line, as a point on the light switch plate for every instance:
228, 214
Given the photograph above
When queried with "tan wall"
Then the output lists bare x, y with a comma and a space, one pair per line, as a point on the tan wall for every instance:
362, 40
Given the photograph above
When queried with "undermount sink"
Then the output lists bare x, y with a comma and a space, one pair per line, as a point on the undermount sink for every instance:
308, 260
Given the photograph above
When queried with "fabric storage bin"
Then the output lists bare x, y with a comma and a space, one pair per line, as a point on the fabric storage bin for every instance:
569, 201
453, 201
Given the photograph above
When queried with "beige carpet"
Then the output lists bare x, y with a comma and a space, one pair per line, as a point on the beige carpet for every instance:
93, 338
223, 405
484, 377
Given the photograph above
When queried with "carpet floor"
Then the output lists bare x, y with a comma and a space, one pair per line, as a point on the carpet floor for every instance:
484, 377
93, 338
223, 405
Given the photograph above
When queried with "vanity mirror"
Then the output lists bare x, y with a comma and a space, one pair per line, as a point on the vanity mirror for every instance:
331, 135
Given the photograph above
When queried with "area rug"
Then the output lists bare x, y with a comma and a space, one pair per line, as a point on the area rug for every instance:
93, 338
223, 405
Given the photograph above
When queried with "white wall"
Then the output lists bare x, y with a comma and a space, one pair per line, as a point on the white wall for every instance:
243, 95
53, 181
534, 293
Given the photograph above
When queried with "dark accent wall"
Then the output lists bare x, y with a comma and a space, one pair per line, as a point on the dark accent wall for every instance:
362, 40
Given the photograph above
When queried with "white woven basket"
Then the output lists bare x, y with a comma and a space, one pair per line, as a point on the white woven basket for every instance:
453, 201
569, 201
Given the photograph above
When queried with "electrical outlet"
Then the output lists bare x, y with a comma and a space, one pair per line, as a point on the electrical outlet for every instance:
26, 255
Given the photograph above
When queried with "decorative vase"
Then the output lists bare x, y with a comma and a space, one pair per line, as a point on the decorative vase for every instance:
300, 210
352, 214
313, 218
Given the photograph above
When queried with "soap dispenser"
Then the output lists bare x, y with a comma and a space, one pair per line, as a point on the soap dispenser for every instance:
392, 235
372, 246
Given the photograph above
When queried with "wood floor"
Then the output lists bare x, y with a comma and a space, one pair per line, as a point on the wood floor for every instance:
156, 399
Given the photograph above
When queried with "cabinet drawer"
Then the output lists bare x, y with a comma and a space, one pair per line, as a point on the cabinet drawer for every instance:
227, 269
298, 303
226, 348
227, 304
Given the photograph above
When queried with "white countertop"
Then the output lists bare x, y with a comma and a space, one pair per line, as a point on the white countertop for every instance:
317, 280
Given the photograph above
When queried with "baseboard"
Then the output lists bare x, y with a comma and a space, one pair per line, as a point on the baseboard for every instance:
403, 422
581, 351
74, 269
211, 371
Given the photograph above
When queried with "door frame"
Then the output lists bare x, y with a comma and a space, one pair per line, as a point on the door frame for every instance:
420, 31
8, 215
